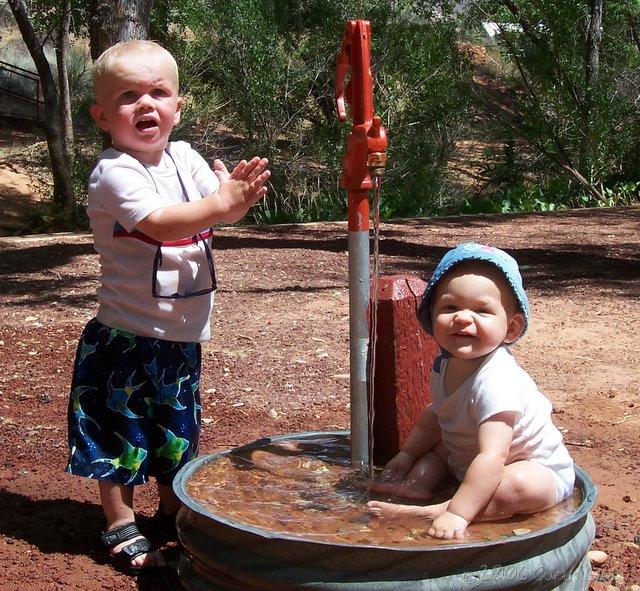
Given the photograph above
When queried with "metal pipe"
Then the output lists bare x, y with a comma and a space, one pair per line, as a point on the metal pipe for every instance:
359, 286
359, 289
365, 155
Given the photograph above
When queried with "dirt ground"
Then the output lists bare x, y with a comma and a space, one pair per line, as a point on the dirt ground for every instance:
23, 182
278, 363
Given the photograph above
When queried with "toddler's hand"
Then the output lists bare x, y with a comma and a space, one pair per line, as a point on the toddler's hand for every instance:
448, 526
243, 187
250, 171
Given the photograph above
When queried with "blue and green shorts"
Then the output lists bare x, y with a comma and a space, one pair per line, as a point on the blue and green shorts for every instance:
134, 408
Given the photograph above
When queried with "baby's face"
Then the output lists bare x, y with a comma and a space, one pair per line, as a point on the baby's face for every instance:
473, 313
138, 106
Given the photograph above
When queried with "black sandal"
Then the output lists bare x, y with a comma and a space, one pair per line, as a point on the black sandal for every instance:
122, 559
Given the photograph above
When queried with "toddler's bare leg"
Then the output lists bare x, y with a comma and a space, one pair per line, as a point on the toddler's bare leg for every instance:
527, 487
168, 499
117, 505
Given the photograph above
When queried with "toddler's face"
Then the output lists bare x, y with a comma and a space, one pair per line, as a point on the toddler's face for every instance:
138, 106
471, 314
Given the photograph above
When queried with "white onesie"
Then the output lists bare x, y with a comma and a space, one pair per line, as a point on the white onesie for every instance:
500, 385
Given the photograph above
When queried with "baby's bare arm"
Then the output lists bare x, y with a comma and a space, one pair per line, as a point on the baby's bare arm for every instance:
487, 469
424, 435
481, 480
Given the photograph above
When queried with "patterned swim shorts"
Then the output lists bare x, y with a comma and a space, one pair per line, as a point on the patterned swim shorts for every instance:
134, 408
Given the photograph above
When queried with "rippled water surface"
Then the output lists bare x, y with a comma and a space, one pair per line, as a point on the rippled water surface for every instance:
306, 488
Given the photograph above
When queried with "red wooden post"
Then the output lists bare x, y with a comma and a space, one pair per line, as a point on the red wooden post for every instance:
404, 356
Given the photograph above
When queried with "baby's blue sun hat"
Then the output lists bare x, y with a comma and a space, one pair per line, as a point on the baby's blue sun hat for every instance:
471, 251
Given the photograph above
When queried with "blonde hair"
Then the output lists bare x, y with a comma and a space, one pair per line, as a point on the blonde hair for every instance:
137, 50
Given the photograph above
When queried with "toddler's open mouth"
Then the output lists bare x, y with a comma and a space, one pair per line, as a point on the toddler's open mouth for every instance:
146, 124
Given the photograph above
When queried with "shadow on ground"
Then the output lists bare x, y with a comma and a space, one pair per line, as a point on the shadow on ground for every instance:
65, 526
36, 272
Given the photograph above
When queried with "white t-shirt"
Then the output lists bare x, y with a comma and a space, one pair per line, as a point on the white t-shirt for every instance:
499, 385
121, 193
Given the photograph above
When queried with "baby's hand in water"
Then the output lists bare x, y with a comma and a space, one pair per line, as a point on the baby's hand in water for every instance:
448, 526
397, 468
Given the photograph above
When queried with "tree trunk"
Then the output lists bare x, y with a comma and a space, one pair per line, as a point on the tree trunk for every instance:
593, 46
62, 50
62, 187
111, 21
594, 43
633, 25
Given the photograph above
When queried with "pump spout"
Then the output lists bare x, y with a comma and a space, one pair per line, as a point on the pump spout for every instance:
377, 140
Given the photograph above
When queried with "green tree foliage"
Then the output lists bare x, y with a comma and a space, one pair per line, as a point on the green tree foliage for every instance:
423, 91
267, 69
571, 96
555, 106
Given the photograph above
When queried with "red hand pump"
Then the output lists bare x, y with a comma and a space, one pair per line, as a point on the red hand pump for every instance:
362, 165
367, 143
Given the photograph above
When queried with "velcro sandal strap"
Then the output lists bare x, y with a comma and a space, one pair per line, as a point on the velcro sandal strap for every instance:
125, 532
137, 548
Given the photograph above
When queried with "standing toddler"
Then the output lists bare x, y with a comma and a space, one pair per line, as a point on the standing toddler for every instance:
134, 409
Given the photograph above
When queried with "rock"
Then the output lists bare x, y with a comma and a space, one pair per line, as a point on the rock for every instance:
597, 557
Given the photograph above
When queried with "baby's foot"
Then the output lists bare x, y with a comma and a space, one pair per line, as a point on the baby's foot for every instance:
390, 511
406, 489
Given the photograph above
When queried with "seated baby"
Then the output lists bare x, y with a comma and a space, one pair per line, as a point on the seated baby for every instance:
488, 424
